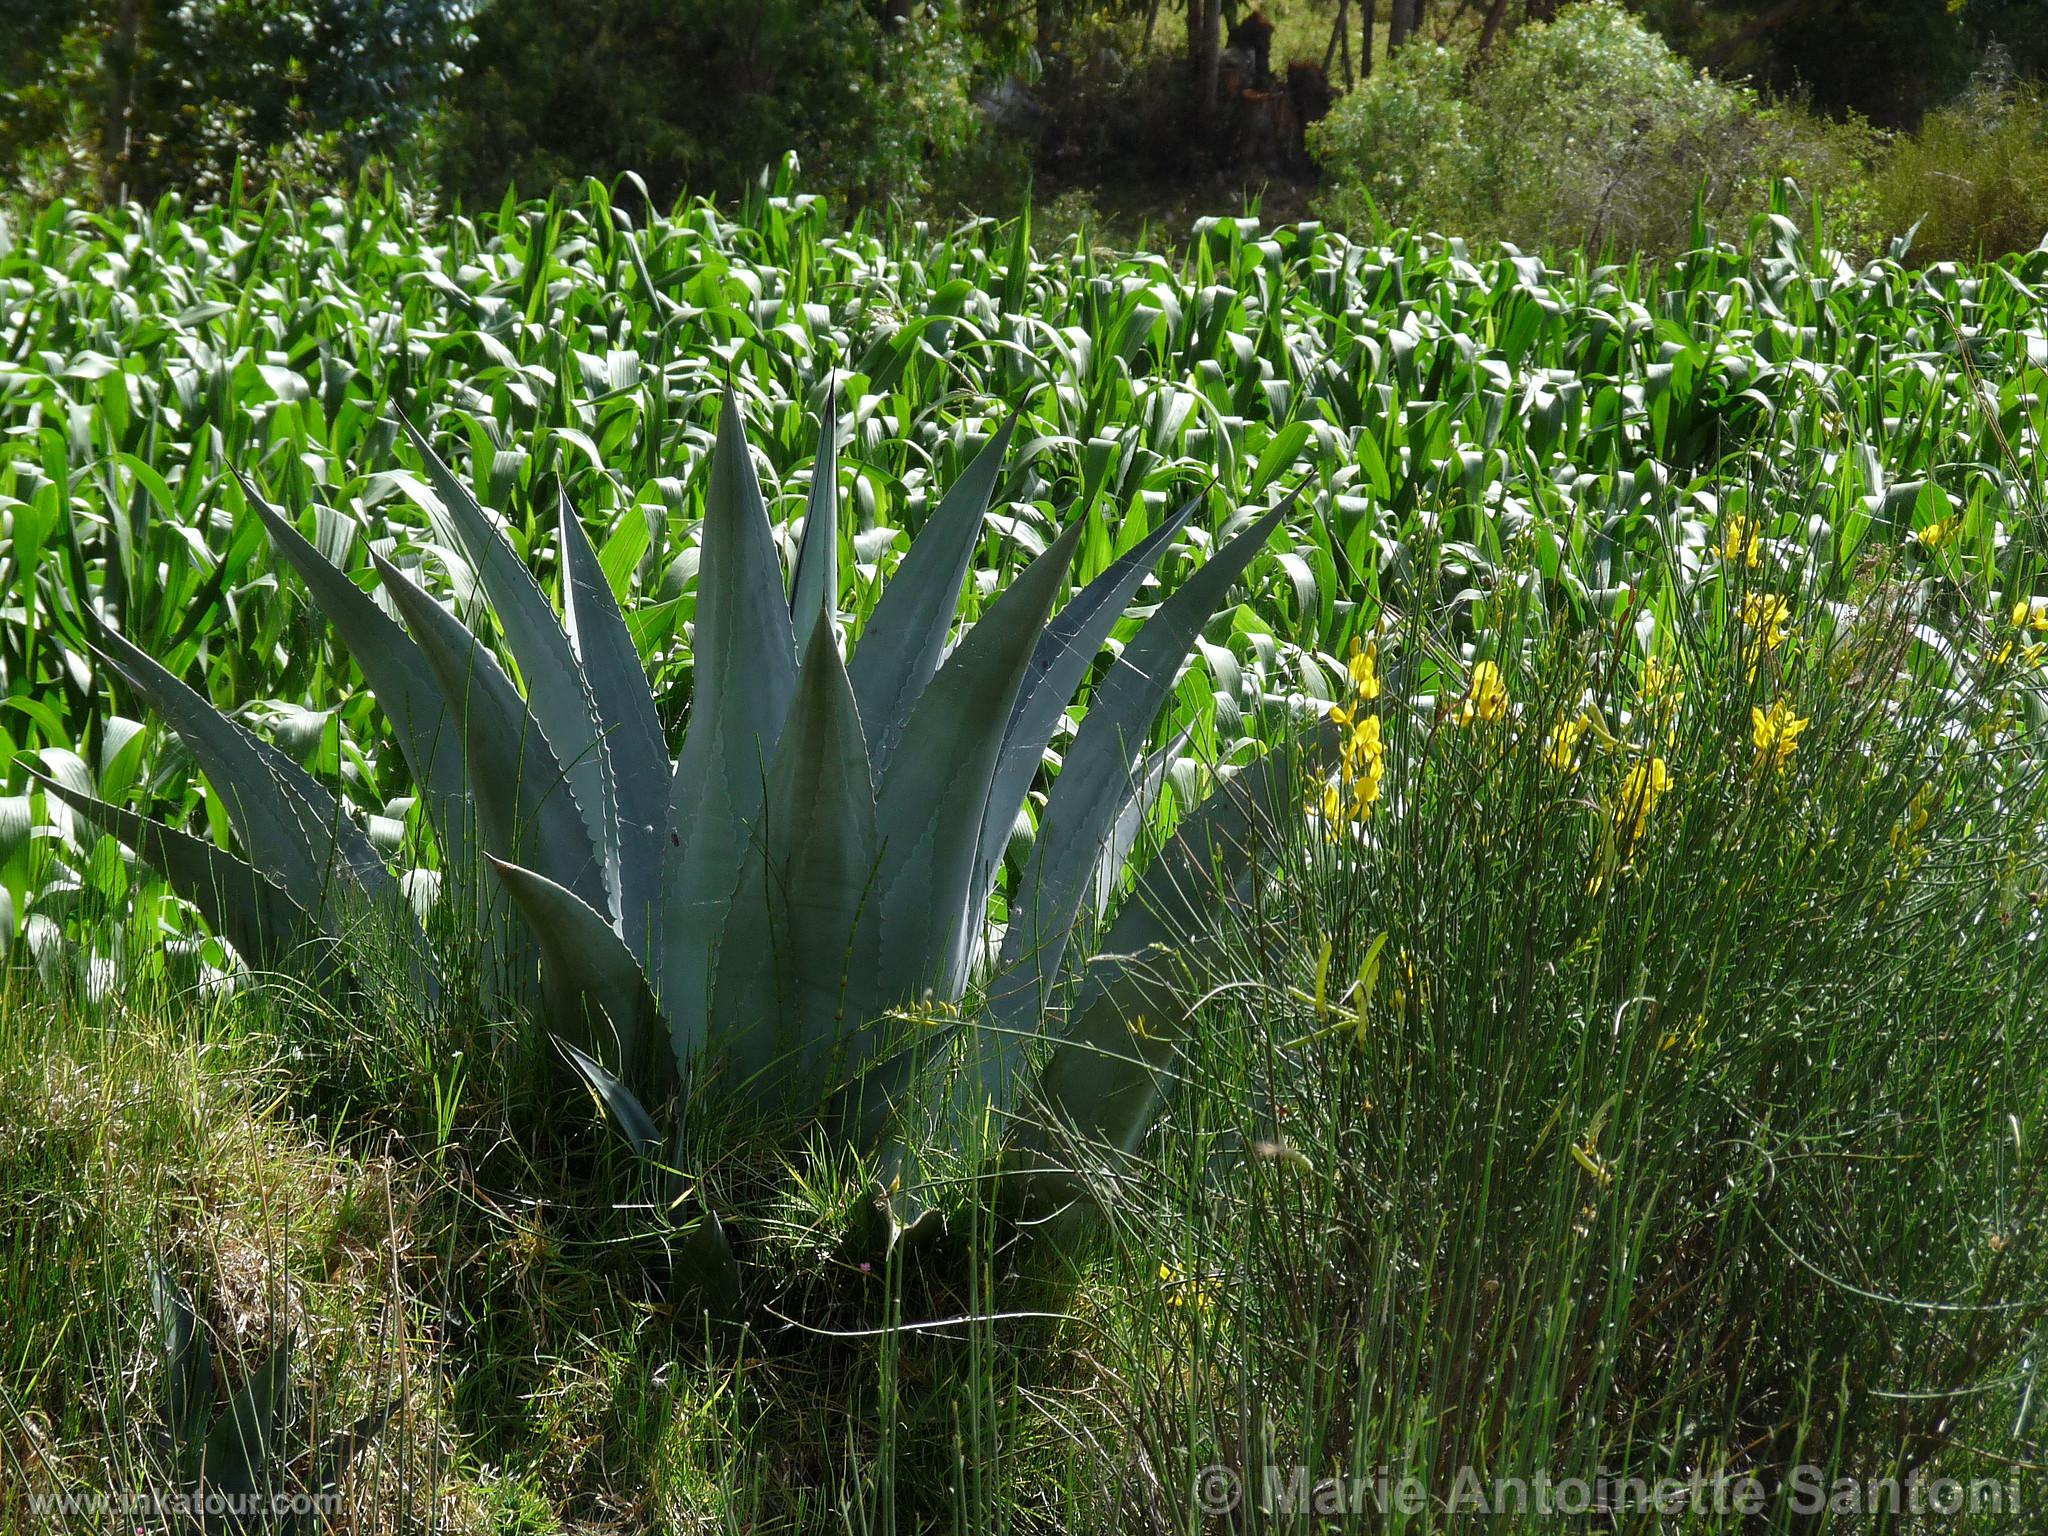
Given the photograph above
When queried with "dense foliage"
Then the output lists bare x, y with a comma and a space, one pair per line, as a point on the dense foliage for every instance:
1523, 424
1552, 123
1591, 131
138, 97
1887, 60
1628, 1056
705, 96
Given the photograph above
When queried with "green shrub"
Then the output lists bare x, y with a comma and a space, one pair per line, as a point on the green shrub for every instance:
1975, 177
1398, 143
1588, 131
1592, 128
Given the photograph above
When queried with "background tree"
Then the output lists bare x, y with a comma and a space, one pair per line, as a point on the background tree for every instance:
145, 95
1887, 60
703, 96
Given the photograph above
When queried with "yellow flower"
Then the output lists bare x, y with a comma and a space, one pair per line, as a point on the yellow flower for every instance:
1918, 812
1741, 540
1776, 733
1766, 613
1688, 1042
1362, 759
1646, 783
2031, 613
1561, 751
1663, 693
1487, 697
1184, 1292
1363, 668
2029, 655
1936, 534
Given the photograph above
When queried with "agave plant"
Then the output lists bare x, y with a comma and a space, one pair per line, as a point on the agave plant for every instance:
817, 862
239, 1472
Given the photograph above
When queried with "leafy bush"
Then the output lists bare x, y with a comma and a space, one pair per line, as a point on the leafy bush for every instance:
1975, 177
1583, 132
703, 96
1400, 142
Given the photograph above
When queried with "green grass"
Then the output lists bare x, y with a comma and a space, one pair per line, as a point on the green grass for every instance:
1709, 1149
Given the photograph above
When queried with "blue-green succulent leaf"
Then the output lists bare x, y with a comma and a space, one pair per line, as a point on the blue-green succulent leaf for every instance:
525, 810
268, 929
815, 587
586, 969
934, 794
621, 1105
188, 1364
391, 664
905, 637
781, 1002
745, 671
638, 754
1113, 1065
245, 1451
1061, 660
292, 829
555, 689
1099, 778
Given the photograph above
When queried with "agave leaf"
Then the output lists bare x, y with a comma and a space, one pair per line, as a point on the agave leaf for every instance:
784, 958
1100, 776
1060, 661
263, 923
293, 829
621, 1106
745, 678
226, 752
188, 1365
392, 666
905, 637
1113, 1066
245, 1452
705, 1262
526, 811
341, 1448
555, 690
934, 795
815, 587
336, 835
1130, 821
585, 965
637, 752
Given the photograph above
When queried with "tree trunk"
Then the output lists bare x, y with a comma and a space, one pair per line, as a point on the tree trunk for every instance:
1494, 15
1340, 42
1542, 10
120, 66
1400, 21
1205, 50
1367, 18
